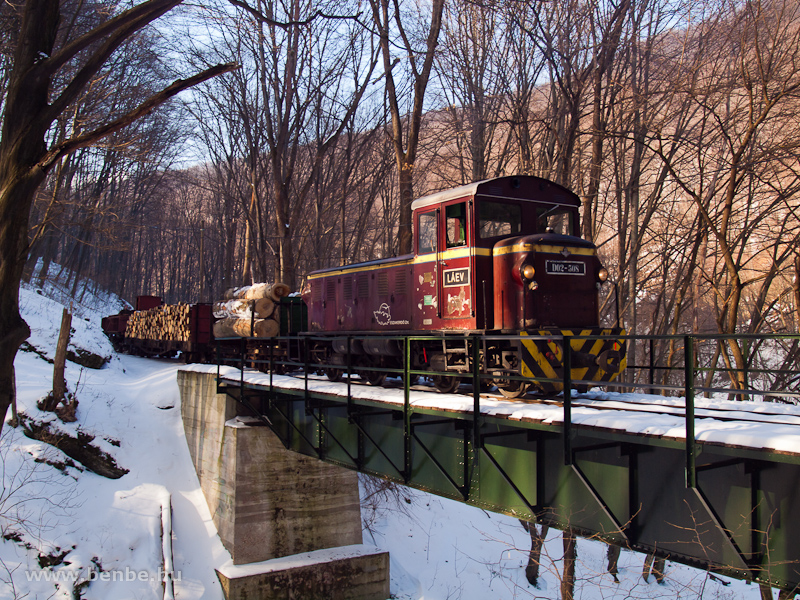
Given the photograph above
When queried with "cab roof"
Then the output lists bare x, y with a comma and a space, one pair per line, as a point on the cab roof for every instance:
514, 187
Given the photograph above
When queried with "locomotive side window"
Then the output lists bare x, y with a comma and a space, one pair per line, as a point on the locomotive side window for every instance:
555, 220
456, 215
426, 240
499, 218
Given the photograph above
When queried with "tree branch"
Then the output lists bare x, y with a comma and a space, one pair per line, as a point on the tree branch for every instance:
124, 27
288, 24
91, 137
150, 10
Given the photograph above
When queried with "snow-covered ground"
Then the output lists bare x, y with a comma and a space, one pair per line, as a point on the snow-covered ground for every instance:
109, 531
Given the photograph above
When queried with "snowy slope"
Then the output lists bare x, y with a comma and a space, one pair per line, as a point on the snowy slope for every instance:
101, 528
113, 525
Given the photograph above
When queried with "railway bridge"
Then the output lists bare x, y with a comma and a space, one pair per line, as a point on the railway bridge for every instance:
701, 481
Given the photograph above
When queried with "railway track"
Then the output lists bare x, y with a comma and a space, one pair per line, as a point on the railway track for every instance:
664, 406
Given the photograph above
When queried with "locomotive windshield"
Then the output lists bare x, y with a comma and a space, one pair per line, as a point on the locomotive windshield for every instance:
554, 220
499, 218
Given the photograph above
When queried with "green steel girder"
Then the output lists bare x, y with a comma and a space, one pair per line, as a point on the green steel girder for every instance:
626, 489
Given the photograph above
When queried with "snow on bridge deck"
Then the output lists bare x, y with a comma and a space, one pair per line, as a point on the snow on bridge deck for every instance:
765, 426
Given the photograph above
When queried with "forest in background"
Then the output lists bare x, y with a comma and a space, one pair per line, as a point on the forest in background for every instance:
675, 122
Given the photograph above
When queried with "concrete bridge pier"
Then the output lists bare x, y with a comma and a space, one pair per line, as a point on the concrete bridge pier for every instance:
291, 523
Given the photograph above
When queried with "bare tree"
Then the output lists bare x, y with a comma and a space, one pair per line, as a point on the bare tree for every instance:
406, 127
300, 87
469, 64
36, 95
741, 80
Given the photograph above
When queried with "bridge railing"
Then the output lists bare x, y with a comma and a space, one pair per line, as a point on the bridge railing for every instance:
740, 367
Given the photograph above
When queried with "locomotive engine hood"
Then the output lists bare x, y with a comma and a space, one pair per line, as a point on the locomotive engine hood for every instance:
542, 240
545, 280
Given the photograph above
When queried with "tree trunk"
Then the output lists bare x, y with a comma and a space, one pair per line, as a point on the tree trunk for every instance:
15, 200
21, 147
230, 247
59, 383
404, 242
247, 269
613, 561
797, 291
596, 166
568, 576
654, 566
535, 555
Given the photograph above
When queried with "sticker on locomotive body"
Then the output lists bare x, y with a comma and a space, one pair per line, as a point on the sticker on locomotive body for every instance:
564, 267
457, 304
456, 277
383, 316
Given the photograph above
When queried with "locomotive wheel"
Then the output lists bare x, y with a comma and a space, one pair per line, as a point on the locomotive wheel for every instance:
413, 379
374, 378
334, 374
514, 389
446, 385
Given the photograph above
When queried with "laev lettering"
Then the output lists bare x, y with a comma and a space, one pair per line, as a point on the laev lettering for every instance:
456, 277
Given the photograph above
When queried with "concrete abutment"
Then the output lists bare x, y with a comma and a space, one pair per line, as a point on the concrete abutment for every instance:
291, 523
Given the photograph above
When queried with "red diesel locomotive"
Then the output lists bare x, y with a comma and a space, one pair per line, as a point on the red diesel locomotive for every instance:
501, 256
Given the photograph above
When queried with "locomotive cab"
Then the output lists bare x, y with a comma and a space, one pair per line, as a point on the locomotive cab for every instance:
506, 256
503, 255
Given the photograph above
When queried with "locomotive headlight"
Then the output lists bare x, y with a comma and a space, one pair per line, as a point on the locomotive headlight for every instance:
602, 274
528, 272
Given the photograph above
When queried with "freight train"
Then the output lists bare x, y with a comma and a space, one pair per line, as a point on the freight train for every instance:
498, 274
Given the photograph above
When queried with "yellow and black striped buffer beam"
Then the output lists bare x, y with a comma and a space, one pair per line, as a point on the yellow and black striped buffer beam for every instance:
592, 359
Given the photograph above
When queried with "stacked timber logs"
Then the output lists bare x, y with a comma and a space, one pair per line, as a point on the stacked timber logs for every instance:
165, 322
250, 311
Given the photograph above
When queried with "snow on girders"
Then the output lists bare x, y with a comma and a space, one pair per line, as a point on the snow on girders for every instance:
754, 425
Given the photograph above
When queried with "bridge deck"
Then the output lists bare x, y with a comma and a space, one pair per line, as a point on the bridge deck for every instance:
618, 467
734, 424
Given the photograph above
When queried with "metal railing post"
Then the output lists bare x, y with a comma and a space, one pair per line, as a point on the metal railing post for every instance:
349, 373
688, 359
242, 344
406, 371
745, 376
271, 367
407, 414
476, 393
305, 371
567, 363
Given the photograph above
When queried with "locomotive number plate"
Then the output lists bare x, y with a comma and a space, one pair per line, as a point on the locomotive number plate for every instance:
565, 267
456, 277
